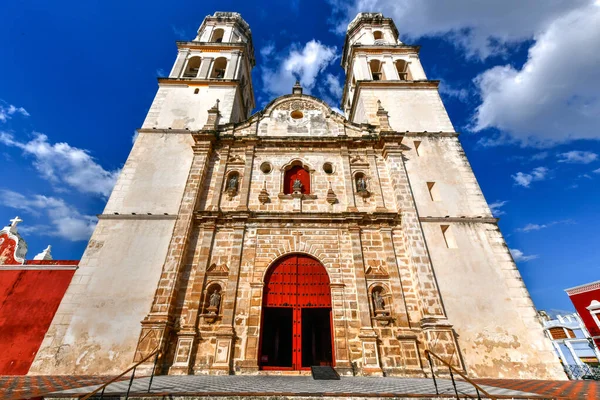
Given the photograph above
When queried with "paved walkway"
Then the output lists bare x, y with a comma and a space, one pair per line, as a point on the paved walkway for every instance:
25, 387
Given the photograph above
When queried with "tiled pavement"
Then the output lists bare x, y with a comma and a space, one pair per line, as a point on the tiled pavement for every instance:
560, 389
12, 388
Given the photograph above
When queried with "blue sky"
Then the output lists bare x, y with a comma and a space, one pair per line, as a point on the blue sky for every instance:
520, 81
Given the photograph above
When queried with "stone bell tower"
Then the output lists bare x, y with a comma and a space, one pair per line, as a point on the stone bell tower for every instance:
215, 66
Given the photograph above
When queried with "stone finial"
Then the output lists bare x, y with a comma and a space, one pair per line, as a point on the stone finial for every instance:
263, 196
297, 89
13, 224
331, 196
382, 115
44, 255
213, 117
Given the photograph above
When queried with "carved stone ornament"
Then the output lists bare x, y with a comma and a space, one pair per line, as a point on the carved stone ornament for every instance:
361, 188
299, 105
331, 196
263, 196
297, 186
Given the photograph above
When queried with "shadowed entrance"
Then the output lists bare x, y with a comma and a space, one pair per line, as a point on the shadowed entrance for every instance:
296, 324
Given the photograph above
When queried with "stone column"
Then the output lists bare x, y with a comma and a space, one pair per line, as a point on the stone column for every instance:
395, 283
250, 364
187, 335
157, 325
226, 333
177, 69
348, 179
219, 181
340, 329
247, 179
379, 201
204, 68
368, 337
232, 65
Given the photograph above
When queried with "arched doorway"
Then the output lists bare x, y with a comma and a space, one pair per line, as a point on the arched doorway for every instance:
296, 329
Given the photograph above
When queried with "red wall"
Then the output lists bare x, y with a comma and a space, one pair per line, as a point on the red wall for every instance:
581, 301
28, 301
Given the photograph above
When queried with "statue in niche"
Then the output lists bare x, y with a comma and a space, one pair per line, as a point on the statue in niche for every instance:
378, 301
297, 187
232, 185
361, 184
215, 300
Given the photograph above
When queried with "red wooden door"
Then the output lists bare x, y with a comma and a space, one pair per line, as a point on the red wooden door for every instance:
296, 282
296, 172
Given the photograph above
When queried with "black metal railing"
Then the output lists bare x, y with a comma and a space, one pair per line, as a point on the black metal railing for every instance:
451, 370
156, 354
576, 372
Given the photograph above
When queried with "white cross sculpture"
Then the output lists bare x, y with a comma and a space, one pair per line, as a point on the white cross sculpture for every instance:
14, 222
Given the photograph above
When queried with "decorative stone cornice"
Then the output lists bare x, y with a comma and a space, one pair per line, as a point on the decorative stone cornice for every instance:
588, 287
469, 220
198, 82
137, 216
354, 218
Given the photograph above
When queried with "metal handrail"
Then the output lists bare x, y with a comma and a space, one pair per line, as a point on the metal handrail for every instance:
478, 388
156, 353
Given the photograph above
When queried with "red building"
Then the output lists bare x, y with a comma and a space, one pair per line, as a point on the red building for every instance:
30, 292
586, 299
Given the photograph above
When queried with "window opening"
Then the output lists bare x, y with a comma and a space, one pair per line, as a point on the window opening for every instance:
217, 35
219, 68
297, 180
448, 236
192, 68
376, 70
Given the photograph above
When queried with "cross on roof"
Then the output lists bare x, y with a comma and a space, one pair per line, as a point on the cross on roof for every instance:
15, 221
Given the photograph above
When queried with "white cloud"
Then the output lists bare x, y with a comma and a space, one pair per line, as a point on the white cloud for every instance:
555, 97
482, 28
539, 156
8, 110
577, 157
135, 135
525, 179
496, 206
446, 89
303, 63
267, 50
333, 85
537, 227
519, 256
596, 171
67, 223
62, 164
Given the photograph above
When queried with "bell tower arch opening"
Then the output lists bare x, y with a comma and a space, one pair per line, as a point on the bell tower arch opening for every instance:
296, 329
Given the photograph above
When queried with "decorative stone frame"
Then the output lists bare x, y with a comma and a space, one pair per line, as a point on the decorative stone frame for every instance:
311, 173
594, 310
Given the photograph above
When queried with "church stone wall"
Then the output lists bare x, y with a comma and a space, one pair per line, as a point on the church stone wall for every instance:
486, 300
96, 327
176, 106
154, 176
414, 110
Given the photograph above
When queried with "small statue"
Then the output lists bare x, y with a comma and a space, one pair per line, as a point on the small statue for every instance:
215, 299
297, 186
378, 301
233, 182
361, 184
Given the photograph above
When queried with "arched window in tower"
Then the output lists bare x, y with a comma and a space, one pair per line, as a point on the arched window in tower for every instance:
217, 36
378, 36
402, 68
296, 179
219, 67
376, 67
192, 68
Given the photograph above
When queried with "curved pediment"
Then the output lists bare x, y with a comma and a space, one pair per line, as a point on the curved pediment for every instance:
299, 115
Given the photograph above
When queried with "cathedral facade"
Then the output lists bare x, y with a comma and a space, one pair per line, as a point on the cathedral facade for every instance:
297, 236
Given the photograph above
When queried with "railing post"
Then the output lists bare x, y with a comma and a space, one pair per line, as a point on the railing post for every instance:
453, 383
478, 396
130, 383
153, 370
102, 394
433, 374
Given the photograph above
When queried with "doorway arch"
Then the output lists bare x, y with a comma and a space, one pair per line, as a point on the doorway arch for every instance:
296, 324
